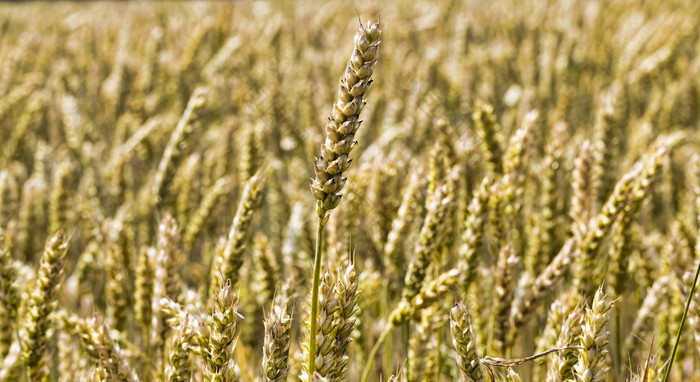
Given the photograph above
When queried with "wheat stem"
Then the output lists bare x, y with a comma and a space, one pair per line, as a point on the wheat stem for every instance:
314, 289
680, 328
373, 352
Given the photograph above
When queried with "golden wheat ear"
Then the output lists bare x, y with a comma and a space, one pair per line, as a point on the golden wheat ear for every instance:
34, 328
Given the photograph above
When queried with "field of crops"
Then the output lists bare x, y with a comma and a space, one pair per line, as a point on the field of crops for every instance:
382, 191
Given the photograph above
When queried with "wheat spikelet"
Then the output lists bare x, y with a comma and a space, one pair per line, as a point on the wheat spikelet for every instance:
651, 300
115, 287
295, 255
74, 125
384, 186
605, 140
666, 322
437, 169
30, 210
433, 290
6, 186
251, 152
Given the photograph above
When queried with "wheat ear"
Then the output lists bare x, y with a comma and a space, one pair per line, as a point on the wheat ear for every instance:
102, 349
327, 330
166, 166
227, 264
562, 367
591, 366
347, 296
276, 349
35, 326
223, 338
167, 281
544, 283
9, 297
464, 344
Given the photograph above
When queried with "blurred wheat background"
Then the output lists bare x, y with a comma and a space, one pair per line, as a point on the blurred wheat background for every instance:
523, 201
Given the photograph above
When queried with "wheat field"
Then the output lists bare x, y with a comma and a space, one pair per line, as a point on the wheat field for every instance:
381, 191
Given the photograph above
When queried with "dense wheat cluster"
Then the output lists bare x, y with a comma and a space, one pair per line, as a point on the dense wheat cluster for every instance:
178, 203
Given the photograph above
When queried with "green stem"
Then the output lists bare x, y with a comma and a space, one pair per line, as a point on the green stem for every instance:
314, 292
680, 328
373, 353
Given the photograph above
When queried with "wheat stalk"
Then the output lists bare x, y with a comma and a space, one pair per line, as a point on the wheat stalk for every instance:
333, 161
